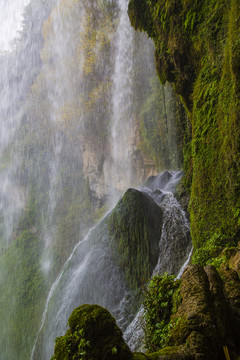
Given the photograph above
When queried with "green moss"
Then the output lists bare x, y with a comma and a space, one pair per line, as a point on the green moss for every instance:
215, 251
197, 49
172, 353
161, 300
159, 118
21, 303
93, 335
179, 332
139, 356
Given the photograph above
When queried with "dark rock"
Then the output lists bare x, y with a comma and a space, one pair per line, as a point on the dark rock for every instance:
135, 226
158, 181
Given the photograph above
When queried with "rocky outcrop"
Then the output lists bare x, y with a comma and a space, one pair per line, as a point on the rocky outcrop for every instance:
208, 318
205, 326
135, 226
93, 335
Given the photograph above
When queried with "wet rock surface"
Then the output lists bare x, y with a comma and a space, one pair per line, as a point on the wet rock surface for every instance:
208, 317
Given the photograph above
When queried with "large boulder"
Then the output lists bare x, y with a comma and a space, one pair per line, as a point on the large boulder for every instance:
92, 335
135, 226
207, 322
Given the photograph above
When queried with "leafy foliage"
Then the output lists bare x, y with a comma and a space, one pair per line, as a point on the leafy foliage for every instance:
72, 346
161, 300
215, 251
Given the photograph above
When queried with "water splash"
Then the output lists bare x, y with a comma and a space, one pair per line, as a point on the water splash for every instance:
11, 22
88, 276
184, 265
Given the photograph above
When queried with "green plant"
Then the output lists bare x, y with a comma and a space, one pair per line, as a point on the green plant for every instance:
72, 345
114, 350
212, 252
161, 300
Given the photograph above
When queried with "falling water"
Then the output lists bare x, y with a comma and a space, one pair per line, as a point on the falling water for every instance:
122, 100
53, 288
11, 22
91, 275
69, 115
175, 243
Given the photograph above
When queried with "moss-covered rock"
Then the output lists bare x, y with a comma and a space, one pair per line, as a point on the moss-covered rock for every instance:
208, 317
172, 353
234, 261
206, 321
93, 335
139, 356
135, 226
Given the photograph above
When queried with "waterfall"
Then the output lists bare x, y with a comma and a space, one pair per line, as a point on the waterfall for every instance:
91, 274
74, 113
122, 130
11, 22
175, 243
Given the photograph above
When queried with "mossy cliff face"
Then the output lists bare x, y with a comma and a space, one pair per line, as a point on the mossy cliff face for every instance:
198, 50
135, 226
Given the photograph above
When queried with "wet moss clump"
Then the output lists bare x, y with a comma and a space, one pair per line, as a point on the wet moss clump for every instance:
93, 335
135, 226
139, 356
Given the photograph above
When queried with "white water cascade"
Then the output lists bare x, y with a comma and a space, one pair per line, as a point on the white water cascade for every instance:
72, 97
11, 22
122, 101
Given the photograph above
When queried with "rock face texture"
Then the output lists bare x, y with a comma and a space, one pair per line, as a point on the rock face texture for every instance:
208, 318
